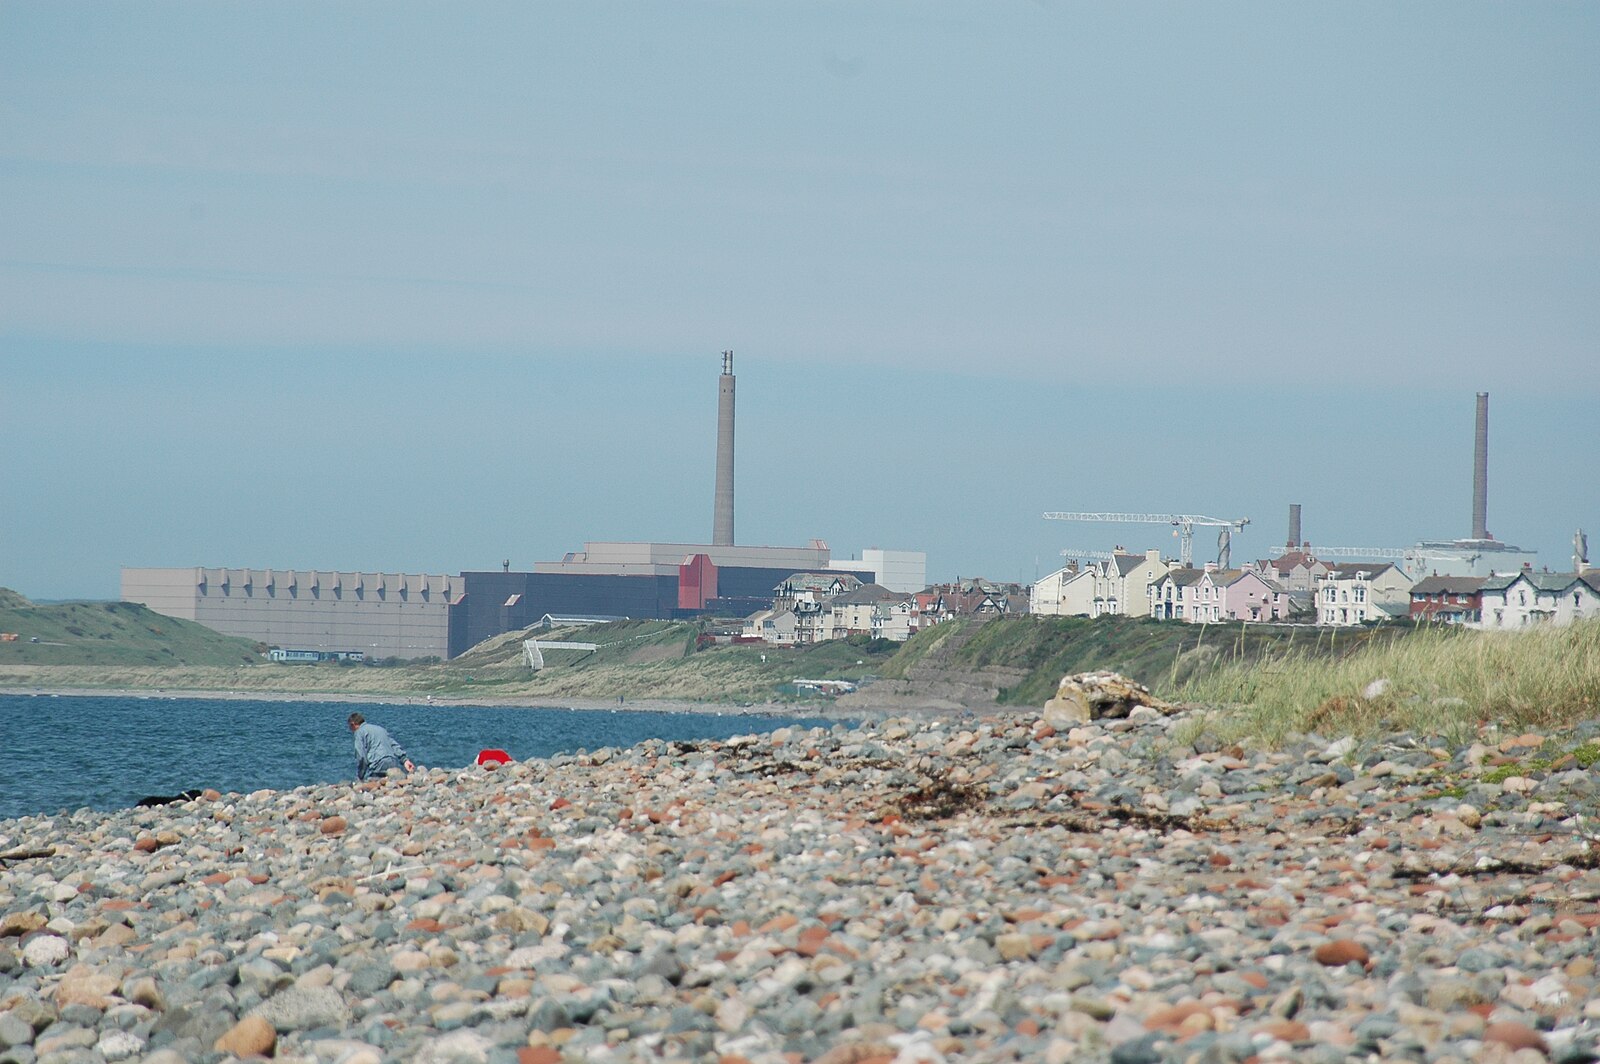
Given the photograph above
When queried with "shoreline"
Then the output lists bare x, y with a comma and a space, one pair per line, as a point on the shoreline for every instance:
646, 705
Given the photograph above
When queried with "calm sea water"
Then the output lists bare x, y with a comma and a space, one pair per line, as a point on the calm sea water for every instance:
62, 753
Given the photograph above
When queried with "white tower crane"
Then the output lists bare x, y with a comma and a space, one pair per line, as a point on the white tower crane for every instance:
1088, 555
1184, 523
1412, 561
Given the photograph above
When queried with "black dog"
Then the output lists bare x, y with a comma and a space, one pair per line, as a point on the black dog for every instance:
168, 799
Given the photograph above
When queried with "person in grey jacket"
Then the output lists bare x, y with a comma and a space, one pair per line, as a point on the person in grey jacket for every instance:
376, 750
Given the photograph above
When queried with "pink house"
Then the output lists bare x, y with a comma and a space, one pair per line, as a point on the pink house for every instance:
1211, 595
1247, 596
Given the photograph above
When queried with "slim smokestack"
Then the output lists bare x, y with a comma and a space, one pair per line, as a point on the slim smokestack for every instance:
1480, 471
1294, 525
722, 514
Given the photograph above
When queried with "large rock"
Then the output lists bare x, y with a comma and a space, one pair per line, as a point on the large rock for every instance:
252, 1036
1086, 696
300, 1008
85, 985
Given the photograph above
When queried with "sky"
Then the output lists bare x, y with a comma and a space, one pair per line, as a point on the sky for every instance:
419, 287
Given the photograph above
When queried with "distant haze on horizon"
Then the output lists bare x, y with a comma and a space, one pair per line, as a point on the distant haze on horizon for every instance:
423, 288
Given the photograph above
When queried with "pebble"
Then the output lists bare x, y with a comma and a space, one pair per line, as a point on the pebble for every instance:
918, 889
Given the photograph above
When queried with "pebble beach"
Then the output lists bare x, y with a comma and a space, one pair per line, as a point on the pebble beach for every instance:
996, 887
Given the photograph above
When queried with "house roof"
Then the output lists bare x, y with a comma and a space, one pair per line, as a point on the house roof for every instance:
1347, 570
1127, 563
1450, 585
1229, 577
1543, 581
868, 594
818, 582
1184, 577
1289, 559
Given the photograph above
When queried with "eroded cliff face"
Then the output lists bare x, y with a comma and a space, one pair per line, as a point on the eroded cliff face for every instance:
935, 690
937, 683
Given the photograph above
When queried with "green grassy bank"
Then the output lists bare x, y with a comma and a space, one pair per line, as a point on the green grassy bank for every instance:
1434, 681
114, 634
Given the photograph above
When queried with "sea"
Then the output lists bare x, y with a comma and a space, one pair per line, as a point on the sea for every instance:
60, 753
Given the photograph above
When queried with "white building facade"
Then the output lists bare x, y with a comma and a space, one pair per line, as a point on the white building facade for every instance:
1528, 598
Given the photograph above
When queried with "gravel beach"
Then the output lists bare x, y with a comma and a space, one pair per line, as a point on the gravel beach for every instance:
972, 888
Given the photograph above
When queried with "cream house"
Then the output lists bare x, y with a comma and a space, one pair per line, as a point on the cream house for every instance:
1362, 593
1126, 581
1069, 592
778, 627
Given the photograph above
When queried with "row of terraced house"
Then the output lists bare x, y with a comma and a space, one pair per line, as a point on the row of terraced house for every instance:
816, 607
1297, 586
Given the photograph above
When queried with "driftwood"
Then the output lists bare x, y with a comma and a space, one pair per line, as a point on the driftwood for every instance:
27, 855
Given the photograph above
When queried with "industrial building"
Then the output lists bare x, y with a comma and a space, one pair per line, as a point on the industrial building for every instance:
380, 615
384, 615
397, 615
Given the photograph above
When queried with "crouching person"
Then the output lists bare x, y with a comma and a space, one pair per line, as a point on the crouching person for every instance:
376, 750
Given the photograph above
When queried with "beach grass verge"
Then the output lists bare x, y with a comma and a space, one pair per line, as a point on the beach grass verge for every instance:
1440, 681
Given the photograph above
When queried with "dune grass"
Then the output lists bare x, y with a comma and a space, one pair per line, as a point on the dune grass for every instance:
1441, 682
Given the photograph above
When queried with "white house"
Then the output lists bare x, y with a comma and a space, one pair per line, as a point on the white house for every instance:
1192, 595
1526, 597
895, 620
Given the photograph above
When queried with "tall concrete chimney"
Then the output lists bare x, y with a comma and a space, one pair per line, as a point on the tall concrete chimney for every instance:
1480, 471
1294, 526
722, 515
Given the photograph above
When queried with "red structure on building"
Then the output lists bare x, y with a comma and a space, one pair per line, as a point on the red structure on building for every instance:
697, 582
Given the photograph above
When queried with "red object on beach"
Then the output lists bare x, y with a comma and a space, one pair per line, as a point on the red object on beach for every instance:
486, 756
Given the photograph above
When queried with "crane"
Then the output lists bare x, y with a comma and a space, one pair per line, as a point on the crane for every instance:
1358, 552
1413, 561
1088, 555
1184, 523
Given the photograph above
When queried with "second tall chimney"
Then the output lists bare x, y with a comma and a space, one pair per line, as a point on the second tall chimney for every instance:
1294, 526
1480, 471
722, 511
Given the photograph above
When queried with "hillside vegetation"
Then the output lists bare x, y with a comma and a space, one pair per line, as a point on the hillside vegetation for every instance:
635, 660
1163, 655
111, 634
1435, 681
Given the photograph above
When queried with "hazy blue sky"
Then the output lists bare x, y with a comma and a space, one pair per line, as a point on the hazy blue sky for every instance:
420, 286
